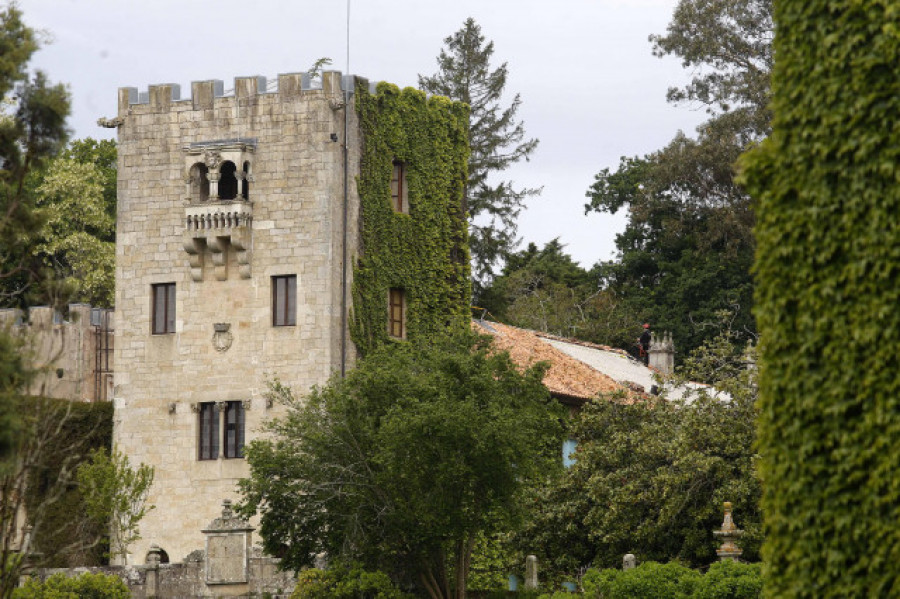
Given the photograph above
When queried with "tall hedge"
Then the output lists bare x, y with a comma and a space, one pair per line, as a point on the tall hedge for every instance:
827, 183
425, 252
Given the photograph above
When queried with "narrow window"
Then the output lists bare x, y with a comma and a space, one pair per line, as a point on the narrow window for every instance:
163, 308
398, 187
228, 186
397, 313
284, 300
234, 429
245, 181
209, 431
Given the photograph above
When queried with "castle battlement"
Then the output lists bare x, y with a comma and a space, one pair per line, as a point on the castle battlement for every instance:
204, 94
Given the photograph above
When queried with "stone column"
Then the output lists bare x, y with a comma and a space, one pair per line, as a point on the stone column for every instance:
729, 533
531, 572
662, 353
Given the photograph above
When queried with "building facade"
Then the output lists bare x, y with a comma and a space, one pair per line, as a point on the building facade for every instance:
241, 216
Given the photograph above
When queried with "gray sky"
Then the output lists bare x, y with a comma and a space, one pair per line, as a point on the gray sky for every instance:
591, 89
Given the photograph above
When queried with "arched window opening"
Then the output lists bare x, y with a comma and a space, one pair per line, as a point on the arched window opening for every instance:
245, 181
199, 182
227, 181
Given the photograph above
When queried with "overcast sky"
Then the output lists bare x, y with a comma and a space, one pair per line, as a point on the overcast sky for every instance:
591, 89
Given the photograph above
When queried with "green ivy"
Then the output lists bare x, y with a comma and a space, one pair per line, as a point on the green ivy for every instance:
424, 252
828, 301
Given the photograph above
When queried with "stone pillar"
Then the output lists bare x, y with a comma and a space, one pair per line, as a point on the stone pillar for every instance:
151, 584
531, 572
729, 533
662, 353
629, 561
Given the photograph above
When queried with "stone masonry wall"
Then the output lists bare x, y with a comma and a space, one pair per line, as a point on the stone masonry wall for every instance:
295, 203
64, 350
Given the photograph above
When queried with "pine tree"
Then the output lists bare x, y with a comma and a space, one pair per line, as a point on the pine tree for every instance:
496, 141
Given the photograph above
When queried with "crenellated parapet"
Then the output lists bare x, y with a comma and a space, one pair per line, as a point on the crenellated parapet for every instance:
207, 94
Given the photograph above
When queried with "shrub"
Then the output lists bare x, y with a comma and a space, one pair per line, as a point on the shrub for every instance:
83, 586
346, 582
650, 580
730, 580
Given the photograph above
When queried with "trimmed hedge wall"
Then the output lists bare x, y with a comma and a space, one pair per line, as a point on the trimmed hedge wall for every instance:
828, 301
425, 252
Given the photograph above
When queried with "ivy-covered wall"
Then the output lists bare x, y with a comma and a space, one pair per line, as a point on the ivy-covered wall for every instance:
424, 252
827, 183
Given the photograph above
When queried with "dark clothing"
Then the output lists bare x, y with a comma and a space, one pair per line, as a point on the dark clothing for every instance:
644, 342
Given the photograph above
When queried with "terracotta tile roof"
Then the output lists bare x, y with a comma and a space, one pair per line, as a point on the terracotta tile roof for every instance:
567, 377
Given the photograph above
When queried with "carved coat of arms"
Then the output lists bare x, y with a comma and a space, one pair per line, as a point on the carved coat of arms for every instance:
222, 337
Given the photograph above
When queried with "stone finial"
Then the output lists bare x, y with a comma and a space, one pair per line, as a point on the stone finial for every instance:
227, 512
531, 572
629, 561
729, 533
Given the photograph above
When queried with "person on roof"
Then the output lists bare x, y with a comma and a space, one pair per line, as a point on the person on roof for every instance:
644, 344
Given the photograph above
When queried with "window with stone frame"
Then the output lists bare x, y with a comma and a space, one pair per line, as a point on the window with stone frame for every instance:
209, 431
398, 187
284, 300
397, 313
163, 308
234, 429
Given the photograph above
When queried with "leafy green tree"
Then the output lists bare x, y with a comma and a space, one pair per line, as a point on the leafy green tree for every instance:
687, 249
827, 295
496, 141
115, 495
32, 130
343, 581
650, 477
77, 239
402, 464
545, 290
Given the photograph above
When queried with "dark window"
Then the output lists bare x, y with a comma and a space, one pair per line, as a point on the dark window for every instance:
234, 429
163, 308
398, 186
209, 431
228, 186
284, 301
199, 182
245, 182
397, 313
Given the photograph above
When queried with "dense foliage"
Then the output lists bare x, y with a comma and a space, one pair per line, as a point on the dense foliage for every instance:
402, 464
343, 581
83, 586
827, 295
76, 196
423, 252
651, 580
32, 129
687, 249
650, 477
545, 290
496, 141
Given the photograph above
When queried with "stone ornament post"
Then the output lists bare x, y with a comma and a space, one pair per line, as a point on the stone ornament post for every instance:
629, 561
531, 572
227, 548
729, 533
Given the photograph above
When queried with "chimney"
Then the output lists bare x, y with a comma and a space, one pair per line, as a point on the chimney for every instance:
662, 353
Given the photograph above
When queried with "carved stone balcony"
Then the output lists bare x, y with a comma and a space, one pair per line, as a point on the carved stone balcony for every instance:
216, 226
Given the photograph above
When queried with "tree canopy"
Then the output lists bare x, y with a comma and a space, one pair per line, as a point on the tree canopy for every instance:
687, 249
32, 130
496, 141
405, 461
650, 477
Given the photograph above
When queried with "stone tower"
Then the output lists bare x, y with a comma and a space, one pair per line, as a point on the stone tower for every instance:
236, 211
